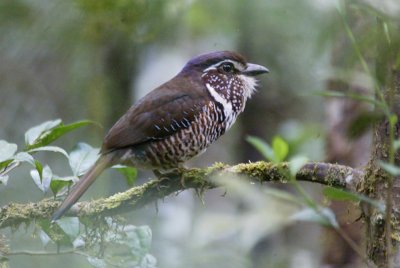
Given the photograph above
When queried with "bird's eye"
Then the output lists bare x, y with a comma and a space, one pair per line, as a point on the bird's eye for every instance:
227, 67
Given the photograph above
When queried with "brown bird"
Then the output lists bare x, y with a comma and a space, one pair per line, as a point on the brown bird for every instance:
178, 120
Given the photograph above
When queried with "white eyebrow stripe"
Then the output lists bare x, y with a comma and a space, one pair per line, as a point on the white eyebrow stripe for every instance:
238, 66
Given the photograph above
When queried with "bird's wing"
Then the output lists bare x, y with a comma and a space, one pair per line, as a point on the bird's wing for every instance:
161, 113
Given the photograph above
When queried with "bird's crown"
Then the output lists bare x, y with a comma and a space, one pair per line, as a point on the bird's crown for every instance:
207, 61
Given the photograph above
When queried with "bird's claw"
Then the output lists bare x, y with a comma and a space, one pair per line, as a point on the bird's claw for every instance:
176, 172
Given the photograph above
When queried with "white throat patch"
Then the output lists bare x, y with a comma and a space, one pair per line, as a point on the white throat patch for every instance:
249, 84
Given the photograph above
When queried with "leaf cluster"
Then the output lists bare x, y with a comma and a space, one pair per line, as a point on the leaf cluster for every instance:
38, 139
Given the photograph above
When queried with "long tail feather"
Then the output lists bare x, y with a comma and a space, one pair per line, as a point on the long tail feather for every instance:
82, 185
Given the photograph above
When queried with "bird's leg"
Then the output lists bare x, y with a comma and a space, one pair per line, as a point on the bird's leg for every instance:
158, 173
163, 175
180, 170
160, 177
174, 172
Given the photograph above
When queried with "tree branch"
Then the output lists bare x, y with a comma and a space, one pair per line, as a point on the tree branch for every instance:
345, 177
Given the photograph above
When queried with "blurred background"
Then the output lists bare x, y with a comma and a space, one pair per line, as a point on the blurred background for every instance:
86, 59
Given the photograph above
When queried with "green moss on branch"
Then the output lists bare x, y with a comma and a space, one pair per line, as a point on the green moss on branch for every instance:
329, 174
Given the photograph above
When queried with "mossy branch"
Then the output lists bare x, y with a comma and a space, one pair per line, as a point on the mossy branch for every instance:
12, 215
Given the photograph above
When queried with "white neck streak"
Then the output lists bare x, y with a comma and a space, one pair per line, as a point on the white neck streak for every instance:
218, 98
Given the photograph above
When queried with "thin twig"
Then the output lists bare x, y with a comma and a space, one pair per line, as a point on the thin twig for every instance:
46, 253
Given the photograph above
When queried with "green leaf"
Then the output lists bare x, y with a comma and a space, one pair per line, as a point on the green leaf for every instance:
33, 134
42, 179
387, 33
296, 163
283, 195
262, 147
44, 238
393, 119
52, 131
55, 149
70, 225
8, 165
389, 168
280, 149
57, 184
55, 232
338, 194
323, 216
38, 167
25, 157
341, 195
4, 164
47, 176
7, 150
351, 95
82, 158
130, 173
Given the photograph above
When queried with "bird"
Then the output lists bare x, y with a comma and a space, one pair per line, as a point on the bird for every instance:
177, 120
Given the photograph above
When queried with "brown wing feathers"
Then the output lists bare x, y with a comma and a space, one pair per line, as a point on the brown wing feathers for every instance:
159, 114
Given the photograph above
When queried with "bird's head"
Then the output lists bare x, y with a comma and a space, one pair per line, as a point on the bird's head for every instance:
228, 77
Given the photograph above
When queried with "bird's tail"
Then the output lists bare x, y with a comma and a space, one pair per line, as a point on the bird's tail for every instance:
82, 185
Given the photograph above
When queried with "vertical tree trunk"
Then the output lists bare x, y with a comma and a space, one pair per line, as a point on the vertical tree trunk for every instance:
378, 186
344, 148
354, 152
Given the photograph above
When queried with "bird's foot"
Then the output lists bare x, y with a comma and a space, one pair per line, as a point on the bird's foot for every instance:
171, 174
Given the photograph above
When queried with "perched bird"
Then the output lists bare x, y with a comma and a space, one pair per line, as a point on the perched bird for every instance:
178, 120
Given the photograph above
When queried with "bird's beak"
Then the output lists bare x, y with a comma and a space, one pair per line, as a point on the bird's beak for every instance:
254, 69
